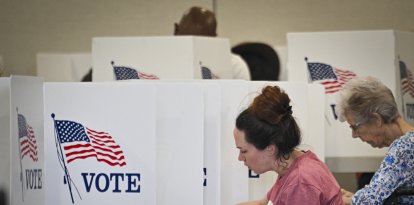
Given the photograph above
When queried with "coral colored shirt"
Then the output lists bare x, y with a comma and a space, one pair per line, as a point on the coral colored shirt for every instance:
308, 181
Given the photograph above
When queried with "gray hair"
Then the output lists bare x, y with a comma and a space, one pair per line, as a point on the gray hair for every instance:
360, 97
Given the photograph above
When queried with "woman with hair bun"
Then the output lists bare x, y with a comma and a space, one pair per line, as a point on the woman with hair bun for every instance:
267, 137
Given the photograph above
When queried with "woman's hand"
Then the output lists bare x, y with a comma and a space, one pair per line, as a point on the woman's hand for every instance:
347, 196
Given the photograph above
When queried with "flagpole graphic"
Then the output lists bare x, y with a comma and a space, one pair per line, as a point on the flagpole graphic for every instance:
403, 75
20, 152
27, 144
407, 85
66, 178
75, 141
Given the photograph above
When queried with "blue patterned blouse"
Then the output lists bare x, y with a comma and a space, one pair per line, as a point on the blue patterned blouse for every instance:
397, 169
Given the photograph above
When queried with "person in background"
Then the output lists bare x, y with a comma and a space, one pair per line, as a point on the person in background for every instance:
370, 109
87, 77
267, 137
3, 197
261, 58
200, 21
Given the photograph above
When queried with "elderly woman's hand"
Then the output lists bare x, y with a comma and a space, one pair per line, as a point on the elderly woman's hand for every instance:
347, 197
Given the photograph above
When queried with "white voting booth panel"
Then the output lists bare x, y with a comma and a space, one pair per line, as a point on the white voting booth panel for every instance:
178, 96
169, 57
307, 101
234, 175
63, 67
337, 57
404, 49
212, 139
21, 114
100, 143
180, 153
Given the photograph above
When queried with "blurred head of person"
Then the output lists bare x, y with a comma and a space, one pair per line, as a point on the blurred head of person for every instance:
197, 21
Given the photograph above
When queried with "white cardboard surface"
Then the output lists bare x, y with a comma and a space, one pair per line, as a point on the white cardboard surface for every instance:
362, 52
212, 141
127, 113
404, 48
169, 57
180, 142
27, 170
234, 181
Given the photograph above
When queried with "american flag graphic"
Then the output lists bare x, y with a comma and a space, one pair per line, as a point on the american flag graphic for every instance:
127, 73
407, 82
207, 74
331, 78
27, 139
80, 143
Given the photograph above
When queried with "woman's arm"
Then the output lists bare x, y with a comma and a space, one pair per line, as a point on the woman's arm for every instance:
395, 170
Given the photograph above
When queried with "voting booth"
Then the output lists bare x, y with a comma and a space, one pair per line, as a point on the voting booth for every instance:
141, 141
132, 141
212, 141
100, 143
185, 117
21, 139
404, 49
169, 57
333, 58
63, 67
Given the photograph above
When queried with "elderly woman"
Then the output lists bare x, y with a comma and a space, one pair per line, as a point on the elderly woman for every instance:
267, 136
371, 112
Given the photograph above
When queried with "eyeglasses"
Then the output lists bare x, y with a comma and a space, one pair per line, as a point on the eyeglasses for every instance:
355, 126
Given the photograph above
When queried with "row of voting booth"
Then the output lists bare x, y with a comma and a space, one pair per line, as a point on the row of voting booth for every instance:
137, 142
169, 140
179, 57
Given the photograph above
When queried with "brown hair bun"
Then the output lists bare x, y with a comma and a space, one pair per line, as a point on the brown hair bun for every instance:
272, 105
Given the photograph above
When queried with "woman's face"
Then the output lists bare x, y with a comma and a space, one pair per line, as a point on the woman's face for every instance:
260, 161
369, 133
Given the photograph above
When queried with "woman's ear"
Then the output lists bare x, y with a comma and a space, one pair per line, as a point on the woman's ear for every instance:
271, 149
377, 119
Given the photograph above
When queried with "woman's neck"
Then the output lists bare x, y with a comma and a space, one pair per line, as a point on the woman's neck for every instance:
397, 129
284, 165
404, 126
